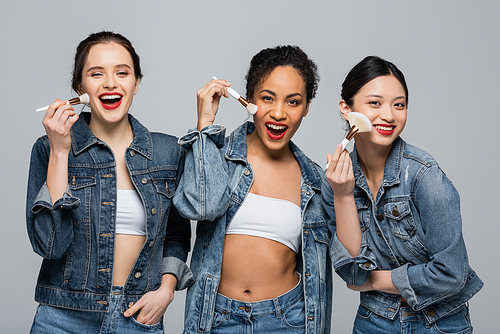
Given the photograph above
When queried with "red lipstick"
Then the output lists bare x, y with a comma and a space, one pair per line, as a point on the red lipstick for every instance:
110, 101
275, 130
384, 129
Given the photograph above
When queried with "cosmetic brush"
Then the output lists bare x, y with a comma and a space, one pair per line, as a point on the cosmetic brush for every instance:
358, 123
84, 98
252, 108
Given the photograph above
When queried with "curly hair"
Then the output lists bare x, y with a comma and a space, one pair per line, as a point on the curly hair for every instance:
268, 59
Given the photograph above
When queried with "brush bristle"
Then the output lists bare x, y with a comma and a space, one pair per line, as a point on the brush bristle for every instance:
252, 108
360, 120
84, 98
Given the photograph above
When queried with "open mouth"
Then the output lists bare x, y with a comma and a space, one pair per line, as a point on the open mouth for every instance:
384, 129
276, 130
110, 101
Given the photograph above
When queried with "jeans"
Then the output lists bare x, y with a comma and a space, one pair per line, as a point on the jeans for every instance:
408, 321
53, 320
283, 314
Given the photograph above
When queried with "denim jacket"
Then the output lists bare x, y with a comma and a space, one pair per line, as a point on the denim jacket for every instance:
215, 182
76, 235
413, 228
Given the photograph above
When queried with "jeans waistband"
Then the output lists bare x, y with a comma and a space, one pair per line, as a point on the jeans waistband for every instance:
116, 291
247, 309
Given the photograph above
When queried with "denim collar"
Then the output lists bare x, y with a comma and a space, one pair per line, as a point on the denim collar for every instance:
237, 150
82, 137
392, 168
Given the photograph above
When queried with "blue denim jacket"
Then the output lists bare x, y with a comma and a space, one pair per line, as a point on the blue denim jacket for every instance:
76, 235
215, 182
414, 228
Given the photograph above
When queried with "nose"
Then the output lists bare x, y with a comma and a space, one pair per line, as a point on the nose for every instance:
109, 82
278, 111
387, 114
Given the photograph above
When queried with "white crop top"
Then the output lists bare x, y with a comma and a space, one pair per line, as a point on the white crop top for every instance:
130, 216
270, 218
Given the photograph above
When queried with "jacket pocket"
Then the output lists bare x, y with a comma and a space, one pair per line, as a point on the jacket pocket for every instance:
400, 219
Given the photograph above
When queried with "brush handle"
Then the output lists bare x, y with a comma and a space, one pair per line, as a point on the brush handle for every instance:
45, 108
344, 145
233, 93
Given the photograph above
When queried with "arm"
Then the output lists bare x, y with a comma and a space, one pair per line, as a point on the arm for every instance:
351, 256
49, 203
438, 205
202, 193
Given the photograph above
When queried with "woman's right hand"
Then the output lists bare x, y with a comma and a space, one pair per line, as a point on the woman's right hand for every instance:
208, 98
58, 120
339, 173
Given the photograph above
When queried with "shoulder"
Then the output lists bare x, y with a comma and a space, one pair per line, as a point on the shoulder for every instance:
418, 155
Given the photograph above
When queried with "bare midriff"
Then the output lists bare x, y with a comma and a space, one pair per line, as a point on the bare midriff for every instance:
127, 248
255, 268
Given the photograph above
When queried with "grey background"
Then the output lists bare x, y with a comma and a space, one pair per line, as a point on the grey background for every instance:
448, 50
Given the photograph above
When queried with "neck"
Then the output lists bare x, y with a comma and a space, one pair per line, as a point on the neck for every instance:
372, 159
256, 147
112, 134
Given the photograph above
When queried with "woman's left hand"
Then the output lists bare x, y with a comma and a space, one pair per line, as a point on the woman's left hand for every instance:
153, 304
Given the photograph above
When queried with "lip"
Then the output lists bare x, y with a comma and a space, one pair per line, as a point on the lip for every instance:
384, 132
276, 136
111, 106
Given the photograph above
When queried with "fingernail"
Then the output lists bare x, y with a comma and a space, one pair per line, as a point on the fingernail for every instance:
127, 313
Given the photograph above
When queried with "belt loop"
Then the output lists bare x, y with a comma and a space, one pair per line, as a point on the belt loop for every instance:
277, 308
228, 308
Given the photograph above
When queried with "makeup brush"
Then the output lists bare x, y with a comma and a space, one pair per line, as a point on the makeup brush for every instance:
84, 98
358, 123
252, 108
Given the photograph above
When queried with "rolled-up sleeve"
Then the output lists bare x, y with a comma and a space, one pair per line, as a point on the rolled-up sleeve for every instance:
49, 226
202, 192
353, 270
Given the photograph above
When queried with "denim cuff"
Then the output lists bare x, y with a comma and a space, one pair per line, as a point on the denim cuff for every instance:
401, 281
43, 200
353, 270
178, 268
216, 132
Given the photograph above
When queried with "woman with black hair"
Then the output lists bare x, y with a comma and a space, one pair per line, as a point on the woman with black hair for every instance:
261, 254
397, 217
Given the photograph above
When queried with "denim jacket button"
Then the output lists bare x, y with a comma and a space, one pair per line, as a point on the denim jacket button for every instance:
246, 172
431, 313
395, 212
137, 274
130, 304
144, 181
380, 217
131, 153
367, 264
153, 211
151, 243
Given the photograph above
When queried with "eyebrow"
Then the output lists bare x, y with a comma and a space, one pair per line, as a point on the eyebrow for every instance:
101, 68
381, 97
274, 94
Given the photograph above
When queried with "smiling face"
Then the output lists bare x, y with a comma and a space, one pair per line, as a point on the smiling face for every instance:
108, 78
281, 102
383, 101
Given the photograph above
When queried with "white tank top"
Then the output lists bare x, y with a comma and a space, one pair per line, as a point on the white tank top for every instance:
270, 218
130, 215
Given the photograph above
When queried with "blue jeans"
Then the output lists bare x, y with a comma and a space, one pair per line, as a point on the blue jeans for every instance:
53, 320
283, 314
408, 321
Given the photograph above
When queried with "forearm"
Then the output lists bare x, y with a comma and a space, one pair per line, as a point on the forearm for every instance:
57, 174
348, 228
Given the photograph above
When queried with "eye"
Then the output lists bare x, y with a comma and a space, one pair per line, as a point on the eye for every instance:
267, 98
293, 102
374, 103
400, 105
122, 73
96, 74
